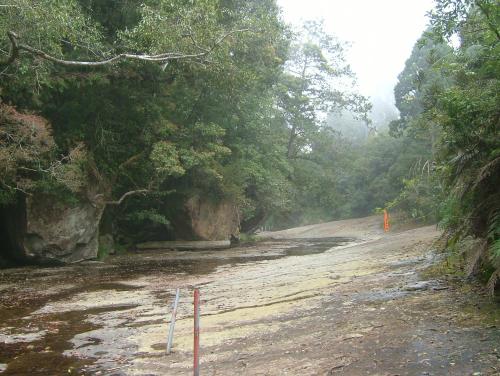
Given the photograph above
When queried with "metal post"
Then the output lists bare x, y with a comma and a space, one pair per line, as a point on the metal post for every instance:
196, 365
172, 323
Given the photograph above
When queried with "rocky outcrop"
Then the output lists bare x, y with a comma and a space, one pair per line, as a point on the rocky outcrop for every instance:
41, 227
211, 220
62, 232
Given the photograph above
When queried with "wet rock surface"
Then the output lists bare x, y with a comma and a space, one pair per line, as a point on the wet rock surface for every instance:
353, 305
425, 285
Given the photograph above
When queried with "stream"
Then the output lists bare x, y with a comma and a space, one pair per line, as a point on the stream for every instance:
85, 317
363, 304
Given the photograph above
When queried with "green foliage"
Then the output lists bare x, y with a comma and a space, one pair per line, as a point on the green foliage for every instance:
200, 127
165, 159
455, 93
150, 215
193, 126
60, 28
248, 239
418, 199
7, 196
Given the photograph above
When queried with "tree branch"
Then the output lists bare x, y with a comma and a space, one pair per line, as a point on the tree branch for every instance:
130, 160
125, 195
15, 189
16, 47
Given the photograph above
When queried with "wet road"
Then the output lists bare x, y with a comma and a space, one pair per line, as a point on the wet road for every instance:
349, 305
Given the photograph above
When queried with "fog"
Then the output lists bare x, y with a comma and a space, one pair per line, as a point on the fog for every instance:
381, 33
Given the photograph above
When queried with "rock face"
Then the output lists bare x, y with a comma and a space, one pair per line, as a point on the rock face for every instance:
212, 220
56, 231
36, 227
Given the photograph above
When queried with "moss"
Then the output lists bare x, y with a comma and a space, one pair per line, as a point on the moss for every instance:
451, 266
249, 239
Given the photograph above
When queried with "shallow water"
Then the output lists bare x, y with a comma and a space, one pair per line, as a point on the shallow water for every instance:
304, 306
83, 318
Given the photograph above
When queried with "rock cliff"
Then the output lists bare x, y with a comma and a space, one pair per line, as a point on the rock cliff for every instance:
211, 220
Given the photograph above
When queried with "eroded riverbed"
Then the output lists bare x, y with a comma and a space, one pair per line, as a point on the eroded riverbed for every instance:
348, 304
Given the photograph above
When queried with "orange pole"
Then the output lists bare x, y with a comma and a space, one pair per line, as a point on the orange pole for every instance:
386, 221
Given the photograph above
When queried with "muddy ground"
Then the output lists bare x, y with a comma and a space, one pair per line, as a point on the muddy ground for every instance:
336, 298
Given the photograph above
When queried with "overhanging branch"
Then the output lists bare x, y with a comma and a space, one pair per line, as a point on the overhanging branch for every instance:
163, 58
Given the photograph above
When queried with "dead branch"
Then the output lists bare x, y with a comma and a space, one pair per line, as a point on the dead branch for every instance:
163, 58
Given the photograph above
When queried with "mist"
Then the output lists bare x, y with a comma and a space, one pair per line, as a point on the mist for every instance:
381, 35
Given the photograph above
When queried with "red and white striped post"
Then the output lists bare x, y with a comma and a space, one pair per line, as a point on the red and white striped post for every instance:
196, 364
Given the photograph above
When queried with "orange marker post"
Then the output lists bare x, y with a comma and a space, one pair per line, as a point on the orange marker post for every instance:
386, 221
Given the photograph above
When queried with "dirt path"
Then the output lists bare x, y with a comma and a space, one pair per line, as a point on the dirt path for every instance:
349, 299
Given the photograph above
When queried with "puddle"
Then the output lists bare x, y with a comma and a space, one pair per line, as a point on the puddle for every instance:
318, 245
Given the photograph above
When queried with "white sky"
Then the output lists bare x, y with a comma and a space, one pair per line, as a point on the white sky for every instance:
382, 34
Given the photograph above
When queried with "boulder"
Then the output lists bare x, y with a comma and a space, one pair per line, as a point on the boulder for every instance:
61, 232
212, 220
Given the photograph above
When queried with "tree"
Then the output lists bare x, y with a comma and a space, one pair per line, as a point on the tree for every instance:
184, 34
458, 98
315, 82
468, 113
148, 126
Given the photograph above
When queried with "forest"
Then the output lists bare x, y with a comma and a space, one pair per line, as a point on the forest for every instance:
139, 118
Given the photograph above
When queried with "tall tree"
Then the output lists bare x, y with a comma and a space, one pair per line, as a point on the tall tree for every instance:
317, 80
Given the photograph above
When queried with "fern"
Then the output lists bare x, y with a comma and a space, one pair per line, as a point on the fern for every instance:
492, 282
494, 225
486, 171
474, 260
494, 251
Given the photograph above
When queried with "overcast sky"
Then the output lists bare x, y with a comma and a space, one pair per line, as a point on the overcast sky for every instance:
382, 33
